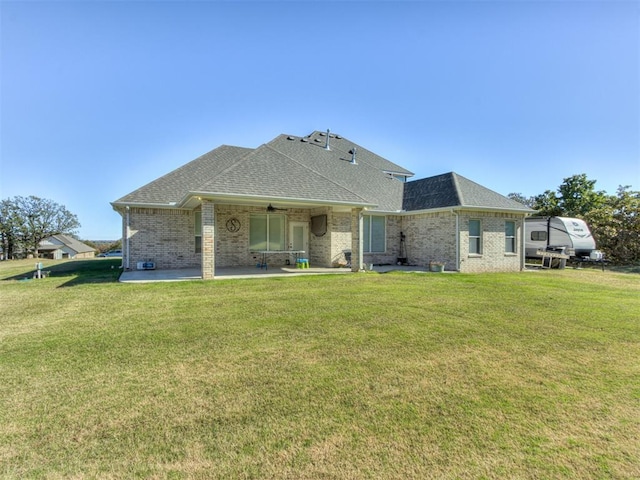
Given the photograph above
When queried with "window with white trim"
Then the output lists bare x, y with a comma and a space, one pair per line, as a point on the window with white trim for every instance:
374, 238
510, 237
266, 232
475, 237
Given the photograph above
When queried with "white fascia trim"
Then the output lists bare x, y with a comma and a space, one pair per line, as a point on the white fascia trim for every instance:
465, 208
262, 199
171, 205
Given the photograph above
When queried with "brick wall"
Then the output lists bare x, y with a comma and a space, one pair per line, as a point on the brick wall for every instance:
430, 237
340, 237
164, 236
167, 237
208, 239
493, 257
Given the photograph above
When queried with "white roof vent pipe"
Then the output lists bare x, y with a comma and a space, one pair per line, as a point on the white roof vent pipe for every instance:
353, 156
326, 146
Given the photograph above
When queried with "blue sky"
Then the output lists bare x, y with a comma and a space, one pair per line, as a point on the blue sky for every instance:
99, 98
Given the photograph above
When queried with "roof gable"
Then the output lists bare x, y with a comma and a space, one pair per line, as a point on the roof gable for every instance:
172, 187
269, 173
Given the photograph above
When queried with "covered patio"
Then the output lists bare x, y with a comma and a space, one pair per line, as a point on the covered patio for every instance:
229, 273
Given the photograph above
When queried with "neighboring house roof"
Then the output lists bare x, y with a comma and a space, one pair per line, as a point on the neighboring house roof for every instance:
302, 169
453, 190
56, 242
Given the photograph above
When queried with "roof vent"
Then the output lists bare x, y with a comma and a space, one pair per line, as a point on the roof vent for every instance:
326, 146
353, 156
304, 139
291, 138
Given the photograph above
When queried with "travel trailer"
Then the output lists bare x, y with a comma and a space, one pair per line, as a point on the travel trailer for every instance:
543, 233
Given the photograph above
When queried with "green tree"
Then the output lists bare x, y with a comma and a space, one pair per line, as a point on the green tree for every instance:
547, 204
578, 196
9, 223
518, 197
615, 224
32, 219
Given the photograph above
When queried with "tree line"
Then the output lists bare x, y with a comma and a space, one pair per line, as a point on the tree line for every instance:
26, 221
614, 220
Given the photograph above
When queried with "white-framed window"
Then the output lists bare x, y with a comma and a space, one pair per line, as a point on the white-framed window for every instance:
510, 237
374, 239
475, 237
198, 231
266, 232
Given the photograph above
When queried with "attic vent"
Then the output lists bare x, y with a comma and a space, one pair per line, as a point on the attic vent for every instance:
353, 156
317, 140
305, 140
291, 138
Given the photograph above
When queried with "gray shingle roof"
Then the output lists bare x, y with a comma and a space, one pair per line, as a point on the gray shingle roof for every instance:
366, 178
173, 186
269, 173
302, 169
453, 190
296, 168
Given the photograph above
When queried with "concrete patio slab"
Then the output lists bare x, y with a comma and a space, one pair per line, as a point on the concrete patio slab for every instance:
227, 273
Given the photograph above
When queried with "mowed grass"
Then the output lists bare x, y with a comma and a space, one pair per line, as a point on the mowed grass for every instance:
529, 375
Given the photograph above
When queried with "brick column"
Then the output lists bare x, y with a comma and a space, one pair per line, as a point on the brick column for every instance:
208, 240
357, 259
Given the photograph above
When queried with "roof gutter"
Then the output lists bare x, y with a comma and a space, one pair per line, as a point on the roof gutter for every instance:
460, 208
243, 198
116, 205
451, 210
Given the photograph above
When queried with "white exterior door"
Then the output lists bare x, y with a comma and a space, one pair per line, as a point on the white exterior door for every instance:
299, 236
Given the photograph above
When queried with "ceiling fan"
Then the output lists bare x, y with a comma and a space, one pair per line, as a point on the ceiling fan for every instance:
271, 208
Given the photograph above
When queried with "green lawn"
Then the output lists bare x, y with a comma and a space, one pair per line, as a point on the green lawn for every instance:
530, 375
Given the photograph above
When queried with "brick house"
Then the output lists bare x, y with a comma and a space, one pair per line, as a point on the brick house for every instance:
323, 195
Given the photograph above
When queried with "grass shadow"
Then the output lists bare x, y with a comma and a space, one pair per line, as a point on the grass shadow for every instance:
79, 272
